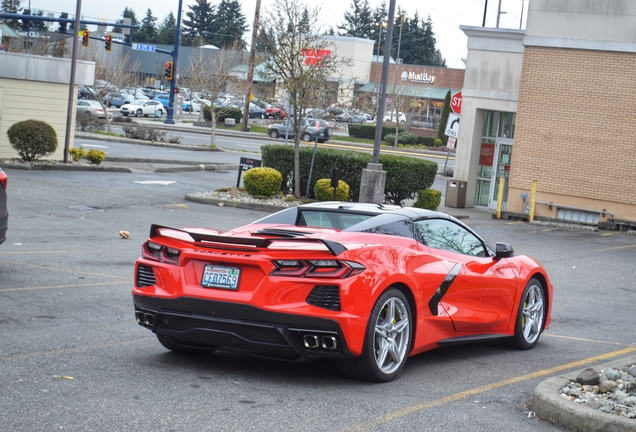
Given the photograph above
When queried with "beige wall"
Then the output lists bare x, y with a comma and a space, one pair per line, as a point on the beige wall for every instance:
35, 87
357, 54
575, 130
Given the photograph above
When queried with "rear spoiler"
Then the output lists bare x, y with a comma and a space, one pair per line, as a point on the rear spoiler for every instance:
227, 242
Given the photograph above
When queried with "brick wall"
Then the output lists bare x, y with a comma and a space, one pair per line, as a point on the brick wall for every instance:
576, 125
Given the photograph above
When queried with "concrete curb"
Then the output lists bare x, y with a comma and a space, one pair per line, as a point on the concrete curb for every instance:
235, 204
548, 404
64, 167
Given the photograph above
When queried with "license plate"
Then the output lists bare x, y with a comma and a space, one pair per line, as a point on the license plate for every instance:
220, 277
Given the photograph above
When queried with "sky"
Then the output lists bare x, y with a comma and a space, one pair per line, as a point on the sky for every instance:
446, 15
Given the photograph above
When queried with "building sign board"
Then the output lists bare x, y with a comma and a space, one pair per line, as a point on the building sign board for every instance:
421, 78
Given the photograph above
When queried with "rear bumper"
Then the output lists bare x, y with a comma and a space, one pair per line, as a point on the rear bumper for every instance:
239, 327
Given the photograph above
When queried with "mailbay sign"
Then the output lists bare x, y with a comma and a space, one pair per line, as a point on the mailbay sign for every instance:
422, 77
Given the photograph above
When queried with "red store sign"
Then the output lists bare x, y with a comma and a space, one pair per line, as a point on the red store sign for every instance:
314, 56
487, 154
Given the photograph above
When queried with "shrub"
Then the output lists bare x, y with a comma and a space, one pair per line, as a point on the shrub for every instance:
95, 156
368, 131
324, 192
428, 199
438, 142
89, 123
32, 139
143, 133
222, 113
405, 176
77, 153
403, 138
262, 181
427, 141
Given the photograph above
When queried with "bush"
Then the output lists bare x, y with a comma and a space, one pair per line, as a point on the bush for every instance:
406, 176
428, 199
143, 133
403, 138
262, 181
324, 192
438, 142
223, 113
77, 153
427, 141
368, 131
89, 123
32, 139
95, 156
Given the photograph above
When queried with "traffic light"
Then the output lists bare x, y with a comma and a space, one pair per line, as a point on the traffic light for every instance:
108, 43
169, 70
63, 24
25, 22
176, 90
86, 37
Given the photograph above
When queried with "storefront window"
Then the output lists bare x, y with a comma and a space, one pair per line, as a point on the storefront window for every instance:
490, 124
484, 172
507, 125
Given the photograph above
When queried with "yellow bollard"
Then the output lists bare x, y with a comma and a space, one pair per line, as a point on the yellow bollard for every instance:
533, 197
500, 197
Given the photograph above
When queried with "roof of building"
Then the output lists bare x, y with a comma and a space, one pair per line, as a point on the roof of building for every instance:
411, 91
260, 73
8, 31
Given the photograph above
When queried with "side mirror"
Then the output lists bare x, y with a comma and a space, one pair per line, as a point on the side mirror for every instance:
503, 250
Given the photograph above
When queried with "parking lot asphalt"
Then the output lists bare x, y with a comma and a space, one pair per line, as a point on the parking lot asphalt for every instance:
547, 403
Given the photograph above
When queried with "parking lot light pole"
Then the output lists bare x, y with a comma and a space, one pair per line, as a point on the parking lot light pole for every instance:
175, 65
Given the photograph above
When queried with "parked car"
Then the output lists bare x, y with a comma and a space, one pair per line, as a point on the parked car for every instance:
275, 112
364, 284
4, 213
197, 104
120, 99
163, 98
392, 116
145, 108
352, 115
310, 129
318, 113
84, 92
257, 112
90, 107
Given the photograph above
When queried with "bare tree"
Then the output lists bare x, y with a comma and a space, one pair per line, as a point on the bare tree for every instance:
116, 75
210, 73
403, 98
299, 59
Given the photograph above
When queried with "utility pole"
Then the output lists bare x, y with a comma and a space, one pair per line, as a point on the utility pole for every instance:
250, 70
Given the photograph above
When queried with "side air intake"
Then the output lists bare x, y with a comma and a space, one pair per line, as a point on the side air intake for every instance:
145, 276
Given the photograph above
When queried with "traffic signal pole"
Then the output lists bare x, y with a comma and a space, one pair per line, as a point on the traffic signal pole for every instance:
175, 68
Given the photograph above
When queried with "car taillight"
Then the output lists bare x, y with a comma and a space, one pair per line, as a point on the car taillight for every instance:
155, 251
3, 179
317, 268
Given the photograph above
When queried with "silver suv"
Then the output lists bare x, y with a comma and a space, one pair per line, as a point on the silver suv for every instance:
310, 130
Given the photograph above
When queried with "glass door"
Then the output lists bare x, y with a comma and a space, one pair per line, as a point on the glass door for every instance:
501, 168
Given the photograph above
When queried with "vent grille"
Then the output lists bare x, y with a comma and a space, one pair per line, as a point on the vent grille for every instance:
325, 296
145, 276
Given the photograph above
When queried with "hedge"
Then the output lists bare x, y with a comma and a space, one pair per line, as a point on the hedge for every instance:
406, 176
368, 131
222, 113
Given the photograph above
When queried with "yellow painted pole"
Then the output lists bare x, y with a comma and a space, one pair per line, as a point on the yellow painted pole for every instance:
500, 193
533, 198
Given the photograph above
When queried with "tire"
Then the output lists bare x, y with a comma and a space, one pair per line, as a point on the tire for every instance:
387, 341
306, 137
277, 115
274, 133
263, 116
329, 132
530, 317
174, 346
139, 113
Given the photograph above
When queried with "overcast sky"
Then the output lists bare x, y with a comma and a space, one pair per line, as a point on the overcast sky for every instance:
447, 15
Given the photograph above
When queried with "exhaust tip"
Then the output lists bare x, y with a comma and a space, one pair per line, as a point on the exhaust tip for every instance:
328, 342
311, 341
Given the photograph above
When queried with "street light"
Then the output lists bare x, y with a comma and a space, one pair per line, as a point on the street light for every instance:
400, 37
379, 25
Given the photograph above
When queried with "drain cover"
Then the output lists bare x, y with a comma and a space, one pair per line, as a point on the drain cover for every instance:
85, 208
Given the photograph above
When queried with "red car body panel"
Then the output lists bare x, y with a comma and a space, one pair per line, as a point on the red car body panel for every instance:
483, 298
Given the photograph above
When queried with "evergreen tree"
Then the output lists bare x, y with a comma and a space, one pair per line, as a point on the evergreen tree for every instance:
198, 23
11, 7
148, 30
127, 13
419, 45
358, 22
378, 32
229, 25
41, 26
444, 118
167, 30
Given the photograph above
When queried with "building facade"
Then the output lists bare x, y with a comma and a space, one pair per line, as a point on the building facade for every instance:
551, 107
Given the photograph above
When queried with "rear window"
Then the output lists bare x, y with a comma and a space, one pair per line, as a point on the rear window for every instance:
334, 220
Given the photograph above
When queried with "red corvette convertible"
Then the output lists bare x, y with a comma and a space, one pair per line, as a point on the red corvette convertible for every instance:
367, 284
